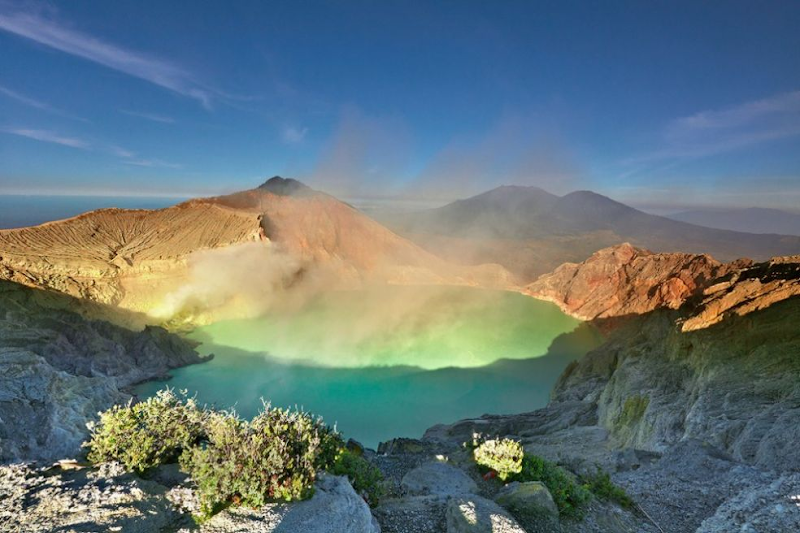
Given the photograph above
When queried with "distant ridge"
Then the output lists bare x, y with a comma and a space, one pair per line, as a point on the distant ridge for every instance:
531, 231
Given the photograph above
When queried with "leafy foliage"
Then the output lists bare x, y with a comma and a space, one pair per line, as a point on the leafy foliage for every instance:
276, 456
601, 486
568, 495
504, 456
365, 477
147, 434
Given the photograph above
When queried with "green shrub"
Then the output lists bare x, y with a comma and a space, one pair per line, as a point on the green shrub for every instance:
568, 496
276, 456
504, 456
146, 434
365, 477
601, 486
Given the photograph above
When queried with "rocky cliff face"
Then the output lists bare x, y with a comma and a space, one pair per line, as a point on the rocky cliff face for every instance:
58, 369
624, 280
733, 385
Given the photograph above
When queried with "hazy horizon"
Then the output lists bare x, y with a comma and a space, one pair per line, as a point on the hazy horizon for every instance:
648, 104
370, 202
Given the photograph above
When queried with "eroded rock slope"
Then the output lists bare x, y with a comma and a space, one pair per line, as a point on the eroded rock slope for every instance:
58, 369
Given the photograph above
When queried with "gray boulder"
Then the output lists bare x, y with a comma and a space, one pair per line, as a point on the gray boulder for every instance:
439, 479
531, 504
472, 514
334, 508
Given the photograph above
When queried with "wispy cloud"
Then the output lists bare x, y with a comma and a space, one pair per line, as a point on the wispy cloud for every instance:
293, 135
149, 116
50, 32
127, 157
714, 132
50, 137
32, 102
120, 152
152, 163
739, 116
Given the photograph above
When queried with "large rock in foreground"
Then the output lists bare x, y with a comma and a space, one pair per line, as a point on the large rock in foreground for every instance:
437, 479
334, 508
531, 504
470, 513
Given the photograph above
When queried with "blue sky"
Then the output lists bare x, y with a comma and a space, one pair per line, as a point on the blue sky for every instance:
654, 103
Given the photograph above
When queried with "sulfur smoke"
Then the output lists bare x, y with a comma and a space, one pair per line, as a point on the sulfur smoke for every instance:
239, 281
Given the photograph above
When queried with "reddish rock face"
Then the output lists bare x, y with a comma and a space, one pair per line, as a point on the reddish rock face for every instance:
624, 280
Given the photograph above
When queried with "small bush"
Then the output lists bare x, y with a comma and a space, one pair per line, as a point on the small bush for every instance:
568, 496
276, 456
365, 477
146, 434
504, 456
601, 486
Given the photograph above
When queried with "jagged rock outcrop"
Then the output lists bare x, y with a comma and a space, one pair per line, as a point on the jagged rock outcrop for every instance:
58, 369
624, 280
744, 290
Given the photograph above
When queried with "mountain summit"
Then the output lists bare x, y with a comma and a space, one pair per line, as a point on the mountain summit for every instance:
285, 186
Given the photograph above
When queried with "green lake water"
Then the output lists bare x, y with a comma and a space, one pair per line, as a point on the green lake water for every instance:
389, 362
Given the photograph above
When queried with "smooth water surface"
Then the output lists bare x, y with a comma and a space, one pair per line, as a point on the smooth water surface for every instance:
389, 362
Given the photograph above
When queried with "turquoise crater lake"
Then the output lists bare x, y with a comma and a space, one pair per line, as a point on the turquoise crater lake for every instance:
389, 362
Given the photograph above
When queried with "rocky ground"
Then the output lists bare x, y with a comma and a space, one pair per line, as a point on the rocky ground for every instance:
37, 500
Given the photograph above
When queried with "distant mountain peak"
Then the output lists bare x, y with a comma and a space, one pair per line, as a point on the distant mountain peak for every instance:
285, 186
